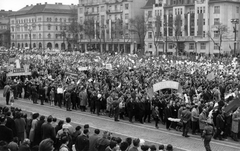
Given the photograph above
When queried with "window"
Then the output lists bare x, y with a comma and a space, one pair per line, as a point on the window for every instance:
204, 22
202, 46
237, 9
203, 9
170, 46
56, 35
12, 36
191, 46
34, 36
126, 6
198, 10
39, 19
49, 27
216, 9
216, 21
149, 13
149, 35
126, 16
56, 27
56, 20
102, 9
204, 34
49, 36
150, 24
39, 27
216, 46
150, 45
216, 34
40, 36
26, 36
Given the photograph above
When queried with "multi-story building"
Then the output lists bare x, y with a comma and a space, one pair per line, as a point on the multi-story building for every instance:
42, 26
4, 28
106, 24
195, 26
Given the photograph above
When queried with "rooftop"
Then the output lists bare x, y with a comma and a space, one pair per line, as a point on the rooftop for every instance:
57, 8
149, 4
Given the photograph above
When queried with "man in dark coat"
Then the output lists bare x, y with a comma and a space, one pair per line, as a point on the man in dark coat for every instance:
38, 131
220, 125
185, 118
6, 93
48, 130
82, 142
130, 108
168, 114
11, 124
6, 133
93, 139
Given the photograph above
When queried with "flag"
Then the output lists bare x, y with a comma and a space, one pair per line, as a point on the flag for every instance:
232, 105
150, 93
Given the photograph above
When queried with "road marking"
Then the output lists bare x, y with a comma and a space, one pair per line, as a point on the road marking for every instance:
137, 126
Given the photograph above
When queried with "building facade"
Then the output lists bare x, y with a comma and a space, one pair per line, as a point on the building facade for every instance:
42, 26
5, 28
106, 24
193, 26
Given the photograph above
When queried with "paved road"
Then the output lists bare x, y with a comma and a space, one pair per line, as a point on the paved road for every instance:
126, 129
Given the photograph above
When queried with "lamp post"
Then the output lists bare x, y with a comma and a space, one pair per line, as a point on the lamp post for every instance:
235, 22
166, 40
63, 35
30, 37
134, 47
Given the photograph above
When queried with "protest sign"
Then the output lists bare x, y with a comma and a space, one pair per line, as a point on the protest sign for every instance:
232, 105
109, 66
166, 85
150, 93
82, 68
210, 76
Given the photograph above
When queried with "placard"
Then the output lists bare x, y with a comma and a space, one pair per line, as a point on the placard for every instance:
166, 85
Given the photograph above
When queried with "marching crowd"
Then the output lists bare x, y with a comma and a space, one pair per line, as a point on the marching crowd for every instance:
120, 86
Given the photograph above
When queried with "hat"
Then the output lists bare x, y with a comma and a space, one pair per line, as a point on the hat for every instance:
2, 119
123, 146
86, 126
169, 147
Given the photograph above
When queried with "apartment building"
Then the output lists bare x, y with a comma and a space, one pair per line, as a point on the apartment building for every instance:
110, 24
42, 26
194, 26
4, 28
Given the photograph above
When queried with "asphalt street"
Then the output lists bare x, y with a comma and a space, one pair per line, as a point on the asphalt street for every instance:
125, 129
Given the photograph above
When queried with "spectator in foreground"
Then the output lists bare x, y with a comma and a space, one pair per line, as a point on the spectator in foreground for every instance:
161, 147
25, 146
136, 144
93, 139
6, 134
64, 145
169, 147
46, 145
13, 145
82, 142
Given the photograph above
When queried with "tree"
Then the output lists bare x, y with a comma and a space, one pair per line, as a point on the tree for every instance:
220, 33
89, 29
100, 34
177, 31
156, 31
138, 26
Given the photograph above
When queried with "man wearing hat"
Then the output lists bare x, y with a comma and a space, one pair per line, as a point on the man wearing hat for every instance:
207, 135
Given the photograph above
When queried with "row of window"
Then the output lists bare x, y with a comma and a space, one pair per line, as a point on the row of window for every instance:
3, 27
49, 27
38, 36
48, 19
103, 8
191, 46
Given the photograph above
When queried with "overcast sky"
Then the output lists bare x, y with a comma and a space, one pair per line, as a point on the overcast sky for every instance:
16, 5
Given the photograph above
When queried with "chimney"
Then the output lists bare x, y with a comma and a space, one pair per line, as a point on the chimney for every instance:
71, 4
45, 2
2, 10
26, 5
56, 3
10, 10
59, 3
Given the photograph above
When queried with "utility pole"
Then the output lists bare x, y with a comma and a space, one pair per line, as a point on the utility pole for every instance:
235, 22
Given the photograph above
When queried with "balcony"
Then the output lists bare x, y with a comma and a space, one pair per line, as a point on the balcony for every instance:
91, 13
158, 5
114, 11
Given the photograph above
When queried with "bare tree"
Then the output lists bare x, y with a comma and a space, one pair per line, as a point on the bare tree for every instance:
138, 26
221, 32
89, 29
155, 28
177, 31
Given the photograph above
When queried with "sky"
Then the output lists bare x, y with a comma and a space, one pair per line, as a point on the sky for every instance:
16, 5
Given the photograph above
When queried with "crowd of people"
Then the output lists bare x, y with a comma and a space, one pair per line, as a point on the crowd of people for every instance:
120, 86
40, 133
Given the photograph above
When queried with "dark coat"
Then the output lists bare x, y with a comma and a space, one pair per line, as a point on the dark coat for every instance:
168, 113
11, 124
82, 143
38, 132
93, 142
48, 131
220, 122
6, 134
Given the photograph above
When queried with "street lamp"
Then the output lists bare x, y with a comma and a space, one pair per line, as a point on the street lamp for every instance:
30, 37
134, 47
165, 29
235, 22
